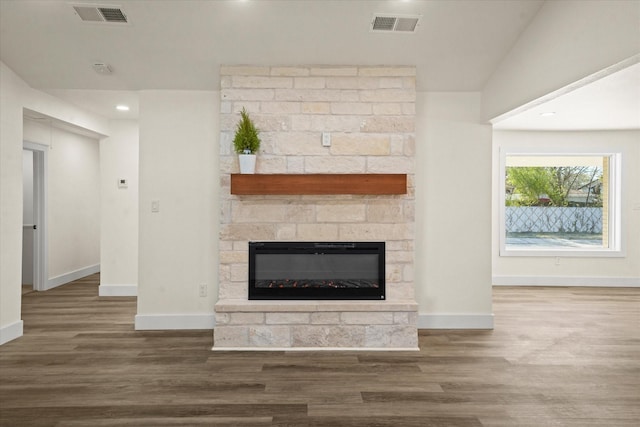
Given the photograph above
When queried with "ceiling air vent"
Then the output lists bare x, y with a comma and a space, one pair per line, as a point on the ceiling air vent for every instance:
385, 23
111, 14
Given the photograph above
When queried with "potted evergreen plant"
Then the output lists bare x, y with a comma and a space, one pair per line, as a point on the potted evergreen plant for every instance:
246, 143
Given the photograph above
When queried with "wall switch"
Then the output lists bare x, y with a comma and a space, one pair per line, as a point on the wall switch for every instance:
123, 183
326, 139
202, 290
155, 206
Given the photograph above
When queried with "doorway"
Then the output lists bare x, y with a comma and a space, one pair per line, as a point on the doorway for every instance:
34, 218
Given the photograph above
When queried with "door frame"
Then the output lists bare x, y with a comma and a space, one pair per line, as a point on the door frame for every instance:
41, 240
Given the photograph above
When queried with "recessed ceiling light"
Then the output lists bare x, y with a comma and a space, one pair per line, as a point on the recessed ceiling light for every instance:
548, 114
122, 107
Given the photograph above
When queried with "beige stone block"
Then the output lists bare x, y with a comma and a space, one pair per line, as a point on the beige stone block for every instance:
232, 257
333, 71
409, 82
226, 107
390, 164
388, 95
329, 123
309, 82
391, 83
239, 272
316, 108
325, 318
409, 210
300, 144
247, 211
287, 318
222, 319
248, 94
317, 232
327, 336
367, 318
224, 273
335, 164
400, 291
389, 124
232, 291
353, 108
345, 144
261, 82
399, 257
387, 71
307, 95
340, 212
290, 71
286, 232
270, 336
300, 123
246, 318
408, 272
375, 231
300, 213
352, 83
248, 231
409, 146
230, 336
243, 70
393, 273
295, 164
270, 164
397, 145
251, 106
274, 107
384, 211
271, 123
401, 336
225, 82
387, 109
349, 96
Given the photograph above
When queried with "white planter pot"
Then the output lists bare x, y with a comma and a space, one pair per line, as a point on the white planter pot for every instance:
247, 163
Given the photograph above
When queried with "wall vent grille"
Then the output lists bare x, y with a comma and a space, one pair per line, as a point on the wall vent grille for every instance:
106, 14
385, 23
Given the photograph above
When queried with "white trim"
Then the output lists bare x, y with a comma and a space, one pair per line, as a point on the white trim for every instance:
607, 282
11, 332
153, 322
71, 276
455, 321
118, 290
315, 349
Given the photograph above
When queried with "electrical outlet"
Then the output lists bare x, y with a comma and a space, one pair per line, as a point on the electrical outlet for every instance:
203, 290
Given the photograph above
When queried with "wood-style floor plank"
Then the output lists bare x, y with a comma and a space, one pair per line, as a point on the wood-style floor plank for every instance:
557, 357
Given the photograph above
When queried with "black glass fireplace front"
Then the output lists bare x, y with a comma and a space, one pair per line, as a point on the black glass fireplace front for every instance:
316, 270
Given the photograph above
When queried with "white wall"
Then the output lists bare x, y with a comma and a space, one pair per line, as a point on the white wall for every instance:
15, 95
178, 167
622, 271
453, 212
73, 211
119, 210
567, 41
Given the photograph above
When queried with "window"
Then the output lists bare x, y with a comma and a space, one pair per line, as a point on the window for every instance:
565, 204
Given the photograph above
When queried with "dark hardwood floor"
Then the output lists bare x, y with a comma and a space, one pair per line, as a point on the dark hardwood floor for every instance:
557, 357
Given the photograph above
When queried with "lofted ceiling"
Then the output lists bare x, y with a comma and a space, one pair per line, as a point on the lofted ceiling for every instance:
181, 44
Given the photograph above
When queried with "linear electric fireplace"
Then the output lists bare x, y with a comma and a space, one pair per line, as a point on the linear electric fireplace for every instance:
316, 270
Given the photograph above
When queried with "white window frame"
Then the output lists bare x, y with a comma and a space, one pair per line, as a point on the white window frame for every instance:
615, 244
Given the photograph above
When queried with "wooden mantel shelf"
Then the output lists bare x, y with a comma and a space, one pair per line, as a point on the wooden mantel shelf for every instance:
314, 184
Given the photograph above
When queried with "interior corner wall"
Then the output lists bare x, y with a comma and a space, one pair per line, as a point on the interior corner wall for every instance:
453, 212
178, 244
73, 196
576, 271
11, 93
119, 212
566, 42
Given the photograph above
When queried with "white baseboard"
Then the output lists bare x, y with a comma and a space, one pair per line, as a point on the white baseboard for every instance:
71, 276
118, 290
607, 282
11, 331
302, 349
154, 322
455, 321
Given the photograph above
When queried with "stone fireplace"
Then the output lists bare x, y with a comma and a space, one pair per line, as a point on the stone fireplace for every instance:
369, 113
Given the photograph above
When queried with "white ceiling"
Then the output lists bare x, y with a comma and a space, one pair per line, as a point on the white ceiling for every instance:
181, 44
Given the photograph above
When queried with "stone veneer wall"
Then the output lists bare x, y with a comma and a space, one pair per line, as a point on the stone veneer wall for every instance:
370, 114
